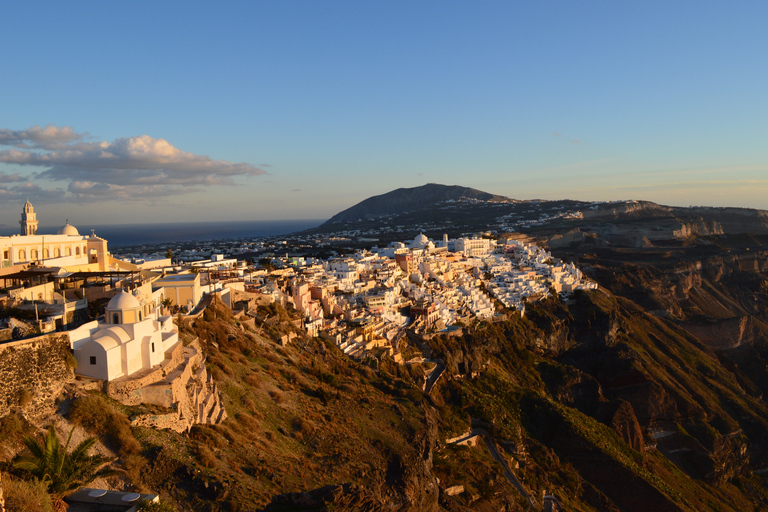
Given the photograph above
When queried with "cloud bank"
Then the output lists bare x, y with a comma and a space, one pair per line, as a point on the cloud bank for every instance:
127, 168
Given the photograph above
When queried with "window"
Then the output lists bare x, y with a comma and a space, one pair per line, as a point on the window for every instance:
115, 318
22, 255
33, 254
153, 346
56, 252
139, 316
46, 254
93, 359
68, 251
5, 255
77, 251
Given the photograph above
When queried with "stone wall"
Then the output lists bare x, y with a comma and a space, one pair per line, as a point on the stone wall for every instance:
128, 390
33, 373
181, 385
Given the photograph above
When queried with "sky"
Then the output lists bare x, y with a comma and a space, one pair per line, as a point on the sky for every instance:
142, 112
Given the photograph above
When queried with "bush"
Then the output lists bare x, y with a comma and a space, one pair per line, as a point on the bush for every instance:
97, 416
25, 496
71, 361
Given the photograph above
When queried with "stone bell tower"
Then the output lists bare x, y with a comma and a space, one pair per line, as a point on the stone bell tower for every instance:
28, 220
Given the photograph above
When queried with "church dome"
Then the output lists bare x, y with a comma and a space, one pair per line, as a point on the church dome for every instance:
123, 300
419, 242
68, 229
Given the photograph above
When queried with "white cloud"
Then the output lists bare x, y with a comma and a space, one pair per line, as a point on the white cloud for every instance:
130, 161
131, 167
50, 137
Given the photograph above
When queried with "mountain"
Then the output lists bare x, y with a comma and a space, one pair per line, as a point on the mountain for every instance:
404, 200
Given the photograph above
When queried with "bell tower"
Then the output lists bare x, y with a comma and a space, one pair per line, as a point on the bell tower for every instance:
28, 220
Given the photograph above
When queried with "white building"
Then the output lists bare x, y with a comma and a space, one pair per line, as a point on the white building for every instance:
66, 248
132, 338
473, 246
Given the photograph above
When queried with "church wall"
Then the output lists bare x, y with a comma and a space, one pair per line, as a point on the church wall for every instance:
132, 356
100, 369
97, 253
115, 363
24, 249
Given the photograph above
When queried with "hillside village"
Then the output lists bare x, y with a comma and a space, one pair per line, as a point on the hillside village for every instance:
363, 302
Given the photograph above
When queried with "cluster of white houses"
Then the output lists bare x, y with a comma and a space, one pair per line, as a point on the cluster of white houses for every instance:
361, 302
365, 301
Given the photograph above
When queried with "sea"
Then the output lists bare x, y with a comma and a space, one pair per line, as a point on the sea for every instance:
121, 235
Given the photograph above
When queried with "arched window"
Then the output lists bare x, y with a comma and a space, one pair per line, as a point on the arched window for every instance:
115, 318
77, 251
5, 255
56, 252
139, 316
46, 254
33, 254
22, 255
68, 251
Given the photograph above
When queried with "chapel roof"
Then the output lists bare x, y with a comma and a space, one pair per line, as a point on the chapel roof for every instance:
123, 300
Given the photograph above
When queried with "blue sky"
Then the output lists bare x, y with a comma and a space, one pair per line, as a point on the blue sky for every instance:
185, 111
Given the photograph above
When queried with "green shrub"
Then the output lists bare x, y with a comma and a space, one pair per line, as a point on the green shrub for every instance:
71, 361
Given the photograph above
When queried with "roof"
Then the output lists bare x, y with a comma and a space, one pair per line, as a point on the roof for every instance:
68, 229
123, 300
177, 277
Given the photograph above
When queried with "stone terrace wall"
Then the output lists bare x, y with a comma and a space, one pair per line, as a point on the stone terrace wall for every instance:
35, 372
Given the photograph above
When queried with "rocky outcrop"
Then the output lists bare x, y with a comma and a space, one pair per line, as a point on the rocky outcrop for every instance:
620, 416
730, 457
698, 227
182, 385
723, 334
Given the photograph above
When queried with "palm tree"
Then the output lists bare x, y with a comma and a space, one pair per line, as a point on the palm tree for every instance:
167, 303
63, 471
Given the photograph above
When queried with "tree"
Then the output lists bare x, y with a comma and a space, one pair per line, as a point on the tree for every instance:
167, 303
61, 471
